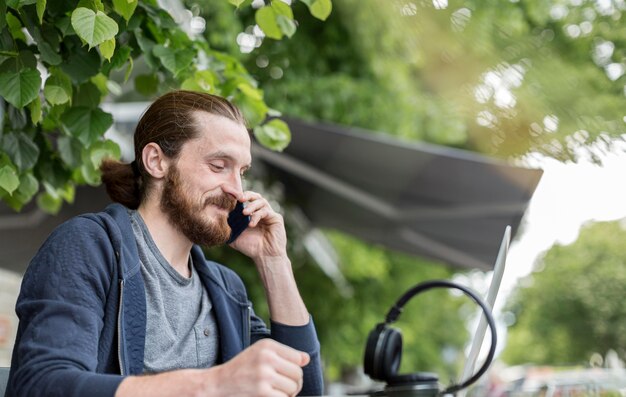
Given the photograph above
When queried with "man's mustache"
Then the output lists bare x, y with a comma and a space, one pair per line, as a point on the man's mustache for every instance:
224, 201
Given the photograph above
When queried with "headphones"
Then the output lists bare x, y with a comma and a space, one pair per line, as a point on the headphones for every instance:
383, 350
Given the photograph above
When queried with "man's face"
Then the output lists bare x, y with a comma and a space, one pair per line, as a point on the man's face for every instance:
203, 185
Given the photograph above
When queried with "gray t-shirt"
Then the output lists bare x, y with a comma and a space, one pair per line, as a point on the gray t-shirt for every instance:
180, 329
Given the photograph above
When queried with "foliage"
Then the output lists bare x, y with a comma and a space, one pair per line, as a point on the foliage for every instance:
503, 78
59, 61
572, 305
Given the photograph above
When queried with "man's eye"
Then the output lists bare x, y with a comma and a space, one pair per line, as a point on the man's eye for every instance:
217, 167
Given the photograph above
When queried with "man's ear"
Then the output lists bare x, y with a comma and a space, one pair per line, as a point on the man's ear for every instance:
155, 162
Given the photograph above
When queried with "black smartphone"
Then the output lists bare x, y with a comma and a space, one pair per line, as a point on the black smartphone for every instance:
237, 221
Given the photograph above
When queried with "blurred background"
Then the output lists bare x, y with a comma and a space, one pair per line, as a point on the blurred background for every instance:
531, 86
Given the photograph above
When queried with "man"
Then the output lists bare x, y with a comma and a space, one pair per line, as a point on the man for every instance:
123, 302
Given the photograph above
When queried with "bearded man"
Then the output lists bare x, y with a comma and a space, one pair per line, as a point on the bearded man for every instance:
124, 303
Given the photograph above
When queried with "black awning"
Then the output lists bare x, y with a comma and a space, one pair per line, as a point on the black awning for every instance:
437, 202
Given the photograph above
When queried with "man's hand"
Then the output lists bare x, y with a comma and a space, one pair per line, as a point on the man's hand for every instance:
265, 235
265, 369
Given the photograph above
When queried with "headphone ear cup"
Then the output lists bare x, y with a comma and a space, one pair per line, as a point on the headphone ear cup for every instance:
383, 352
391, 354
371, 347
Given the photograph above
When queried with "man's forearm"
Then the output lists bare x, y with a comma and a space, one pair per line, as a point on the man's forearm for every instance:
181, 383
284, 301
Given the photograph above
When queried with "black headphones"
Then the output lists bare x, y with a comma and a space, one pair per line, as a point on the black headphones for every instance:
383, 350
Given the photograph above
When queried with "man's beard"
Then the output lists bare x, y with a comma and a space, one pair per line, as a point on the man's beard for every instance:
187, 215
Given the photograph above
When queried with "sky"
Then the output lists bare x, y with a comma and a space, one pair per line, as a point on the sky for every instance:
568, 196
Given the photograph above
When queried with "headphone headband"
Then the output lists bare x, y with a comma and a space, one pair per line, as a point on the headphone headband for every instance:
396, 309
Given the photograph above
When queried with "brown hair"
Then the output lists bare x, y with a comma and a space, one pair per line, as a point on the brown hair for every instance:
168, 122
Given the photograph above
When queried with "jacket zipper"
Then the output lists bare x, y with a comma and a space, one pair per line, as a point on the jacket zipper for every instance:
119, 328
247, 331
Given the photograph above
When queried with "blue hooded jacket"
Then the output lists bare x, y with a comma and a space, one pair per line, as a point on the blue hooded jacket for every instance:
82, 311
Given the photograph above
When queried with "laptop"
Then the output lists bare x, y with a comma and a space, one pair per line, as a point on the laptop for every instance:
479, 336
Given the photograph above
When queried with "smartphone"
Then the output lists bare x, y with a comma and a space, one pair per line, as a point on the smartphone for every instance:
237, 221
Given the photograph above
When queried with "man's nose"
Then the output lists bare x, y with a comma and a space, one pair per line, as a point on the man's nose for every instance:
234, 187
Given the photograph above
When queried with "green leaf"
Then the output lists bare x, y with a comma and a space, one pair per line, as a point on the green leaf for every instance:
202, 80
87, 95
274, 135
41, 8
21, 149
15, 27
254, 110
8, 179
95, 5
47, 41
3, 14
58, 88
81, 65
129, 69
25, 60
24, 193
147, 84
265, 17
68, 192
236, 3
52, 117
21, 87
65, 191
55, 95
287, 26
50, 170
64, 24
93, 27
101, 83
27, 189
49, 203
320, 9
48, 54
70, 150
107, 48
89, 174
102, 150
282, 8
125, 8
17, 118
119, 58
86, 124
174, 60
250, 91
146, 45
35, 110
273, 113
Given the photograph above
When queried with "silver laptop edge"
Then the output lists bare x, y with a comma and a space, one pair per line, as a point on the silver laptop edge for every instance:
479, 336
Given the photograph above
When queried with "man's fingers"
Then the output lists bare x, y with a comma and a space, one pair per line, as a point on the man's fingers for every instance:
289, 369
306, 359
289, 375
297, 357
286, 385
283, 371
